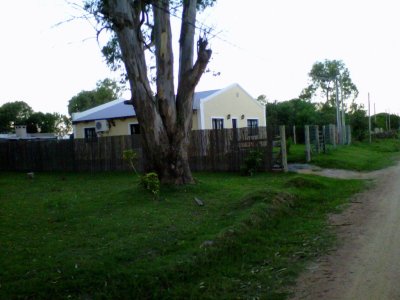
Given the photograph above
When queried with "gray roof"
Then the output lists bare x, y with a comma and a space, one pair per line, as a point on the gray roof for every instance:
201, 95
110, 110
117, 109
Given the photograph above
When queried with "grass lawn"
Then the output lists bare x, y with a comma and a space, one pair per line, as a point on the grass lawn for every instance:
357, 156
100, 236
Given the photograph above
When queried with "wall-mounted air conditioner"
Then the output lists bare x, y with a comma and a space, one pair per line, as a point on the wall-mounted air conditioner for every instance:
101, 125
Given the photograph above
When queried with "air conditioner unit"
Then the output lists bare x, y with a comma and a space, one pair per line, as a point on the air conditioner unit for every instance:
101, 125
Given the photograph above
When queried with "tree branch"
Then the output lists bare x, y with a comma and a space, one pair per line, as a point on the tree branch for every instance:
186, 40
165, 65
188, 82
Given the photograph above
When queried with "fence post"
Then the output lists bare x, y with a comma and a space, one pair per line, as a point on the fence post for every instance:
282, 133
307, 141
294, 134
317, 142
269, 151
348, 135
332, 133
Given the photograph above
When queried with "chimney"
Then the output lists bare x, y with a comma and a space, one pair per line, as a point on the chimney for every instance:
20, 131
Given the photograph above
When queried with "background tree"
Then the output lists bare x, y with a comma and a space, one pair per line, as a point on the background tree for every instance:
262, 99
358, 121
63, 125
297, 112
40, 122
20, 113
106, 90
48, 123
326, 114
165, 114
382, 121
14, 113
324, 76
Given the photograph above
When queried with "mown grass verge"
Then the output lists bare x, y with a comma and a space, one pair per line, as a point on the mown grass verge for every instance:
99, 236
359, 156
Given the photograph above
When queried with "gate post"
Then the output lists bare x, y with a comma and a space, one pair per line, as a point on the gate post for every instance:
317, 141
307, 141
282, 133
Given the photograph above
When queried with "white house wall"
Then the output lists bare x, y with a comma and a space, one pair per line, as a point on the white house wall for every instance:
117, 127
231, 103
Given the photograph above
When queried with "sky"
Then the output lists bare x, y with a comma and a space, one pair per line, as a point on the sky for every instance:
267, 46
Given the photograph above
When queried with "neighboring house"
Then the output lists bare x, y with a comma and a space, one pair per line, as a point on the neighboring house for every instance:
231, 107
21, 134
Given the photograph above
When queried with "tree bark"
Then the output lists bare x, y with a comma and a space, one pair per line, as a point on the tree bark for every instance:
165, 119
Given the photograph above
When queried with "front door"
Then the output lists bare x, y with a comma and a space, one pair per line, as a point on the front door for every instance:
235, 132
234, 123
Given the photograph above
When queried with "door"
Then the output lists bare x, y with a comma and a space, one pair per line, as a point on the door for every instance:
235, 133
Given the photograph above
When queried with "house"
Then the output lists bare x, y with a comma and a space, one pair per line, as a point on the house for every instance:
230, 107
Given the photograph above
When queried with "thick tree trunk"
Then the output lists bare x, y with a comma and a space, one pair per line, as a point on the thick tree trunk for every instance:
165, 119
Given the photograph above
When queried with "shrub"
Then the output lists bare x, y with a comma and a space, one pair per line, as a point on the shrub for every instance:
131, 157
151, 183
252, 162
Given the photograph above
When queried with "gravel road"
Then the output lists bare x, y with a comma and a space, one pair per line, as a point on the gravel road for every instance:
366, 263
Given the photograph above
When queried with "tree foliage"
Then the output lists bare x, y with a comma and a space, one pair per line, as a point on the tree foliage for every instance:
20, 113
49, 123
106, 90
381, 120
300, 112
293, 112
324, 77
14, 113
358, 121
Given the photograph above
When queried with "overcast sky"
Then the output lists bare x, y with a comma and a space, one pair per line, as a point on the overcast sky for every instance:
266, 46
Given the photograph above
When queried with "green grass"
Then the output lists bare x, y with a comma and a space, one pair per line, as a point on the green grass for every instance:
99, 236
358, 156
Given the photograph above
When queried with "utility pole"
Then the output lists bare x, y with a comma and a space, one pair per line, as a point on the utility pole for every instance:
343, 114
338, 121
369, 120
386, 120
390, 127
374, 112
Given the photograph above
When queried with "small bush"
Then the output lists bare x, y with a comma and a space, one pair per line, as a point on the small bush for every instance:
131, 157
252, 162
151, 183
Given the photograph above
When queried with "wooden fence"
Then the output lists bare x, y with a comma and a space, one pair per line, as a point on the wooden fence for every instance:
209, 150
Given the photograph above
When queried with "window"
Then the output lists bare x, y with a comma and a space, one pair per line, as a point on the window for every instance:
90, 134
135, 128
217, 123
252, 126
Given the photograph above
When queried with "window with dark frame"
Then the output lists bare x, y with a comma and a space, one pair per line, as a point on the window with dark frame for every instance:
252, 125
217, 123
135, 128
90, 134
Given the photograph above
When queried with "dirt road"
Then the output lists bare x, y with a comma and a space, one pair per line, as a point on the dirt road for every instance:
366, 264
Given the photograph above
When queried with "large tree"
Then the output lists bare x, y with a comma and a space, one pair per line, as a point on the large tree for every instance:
165, 114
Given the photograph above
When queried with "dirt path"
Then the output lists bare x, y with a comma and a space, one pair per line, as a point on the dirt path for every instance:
366, 264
